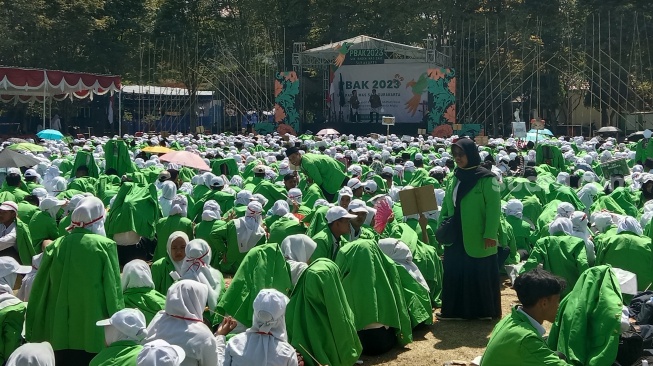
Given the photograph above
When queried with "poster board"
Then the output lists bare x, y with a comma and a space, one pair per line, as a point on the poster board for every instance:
615, 166
418, 200
537, 124
388, 121
519, 129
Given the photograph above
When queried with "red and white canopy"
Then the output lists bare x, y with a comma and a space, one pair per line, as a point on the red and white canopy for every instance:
29, 85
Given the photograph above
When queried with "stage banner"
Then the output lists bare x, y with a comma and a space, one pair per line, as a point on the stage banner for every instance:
442, 88
401, 90
286, 89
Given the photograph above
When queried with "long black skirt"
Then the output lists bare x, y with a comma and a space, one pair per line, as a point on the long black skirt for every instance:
471, 287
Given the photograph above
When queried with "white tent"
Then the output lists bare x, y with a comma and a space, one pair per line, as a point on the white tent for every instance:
394, 51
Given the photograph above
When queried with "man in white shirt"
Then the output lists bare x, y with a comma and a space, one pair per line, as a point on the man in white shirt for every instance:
8, 210
55, 123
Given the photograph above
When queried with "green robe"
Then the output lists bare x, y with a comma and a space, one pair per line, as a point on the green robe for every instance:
283, 228
311, 194
121, 353
270, 191
224, 199
587, 327
227, 166
425, 258
85, 158
24, 244
318, 301
562, 255
625, 200
167, 226
42, 227
373, 288
263, 267
78, 284
523, 234
228, 251
84, 184
326, 172
148, 300
135, 209
116, 155
12, 315
209, 232
26, 210
532, 209
516, 342
418, 299
161, 274
13, 194
630, 252
326, 245
643, 152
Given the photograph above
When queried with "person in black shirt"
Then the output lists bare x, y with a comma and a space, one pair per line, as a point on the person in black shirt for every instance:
375, 106
354, 103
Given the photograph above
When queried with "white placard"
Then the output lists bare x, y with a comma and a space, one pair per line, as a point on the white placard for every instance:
519, 129
388, 121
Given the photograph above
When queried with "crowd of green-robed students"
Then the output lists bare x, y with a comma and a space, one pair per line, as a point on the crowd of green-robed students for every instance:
318, 278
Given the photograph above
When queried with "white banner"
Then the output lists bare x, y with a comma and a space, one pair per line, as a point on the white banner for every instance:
401, 87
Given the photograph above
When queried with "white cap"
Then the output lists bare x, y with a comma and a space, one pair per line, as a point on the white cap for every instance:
160, 353
50, 202
30, 173
130, 322
357, 206
9, 265
354, 183
370, 186
387, 169
337, 213
9, 206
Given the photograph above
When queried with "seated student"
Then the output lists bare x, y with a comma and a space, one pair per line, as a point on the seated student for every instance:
358, 230
122, 334
196, 267
209, 227
330, 239
285, 224
32, 354
176, 250
160, 353
266, 341
28, 207
318, 301
297, 250
243, 199
239, 236
181, 324
517, 339
138, 289
176, 221
12, 310
43, 225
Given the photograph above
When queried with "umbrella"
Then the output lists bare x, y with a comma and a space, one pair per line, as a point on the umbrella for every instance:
50, 135
187, 159
327, 131
541, 132
608, 129
157, 149
26, 146
636, 136
13, 159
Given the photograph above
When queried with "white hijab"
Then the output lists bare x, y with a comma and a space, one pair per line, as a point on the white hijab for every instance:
243, 198
295, 194
26, 286
89, 214
179, 206
630, 224
297, 249
136, 274
174, 236
56, 186
211, 211
248, 228
32, 354
561, 224
565, 209
168, 193
196, 267
160, 353
514, 208
399, 252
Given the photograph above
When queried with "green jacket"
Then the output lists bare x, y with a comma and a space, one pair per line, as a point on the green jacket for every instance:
263, 267
479, 221
326, 172
587, 327
42, 227
228, 251
209, 232
121, 353
26, 210
161, 274
318, 301
283, 228
116, 155
270, 191
516, 342
78, 284
135, 208
13, 194
167, 226
12, 315
26, 249
523, 233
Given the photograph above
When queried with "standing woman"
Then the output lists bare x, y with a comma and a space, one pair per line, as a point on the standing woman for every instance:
472, 205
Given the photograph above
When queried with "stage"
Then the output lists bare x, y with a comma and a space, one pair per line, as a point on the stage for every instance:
365, 128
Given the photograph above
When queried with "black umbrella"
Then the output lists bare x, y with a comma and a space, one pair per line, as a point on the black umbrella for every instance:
636, 136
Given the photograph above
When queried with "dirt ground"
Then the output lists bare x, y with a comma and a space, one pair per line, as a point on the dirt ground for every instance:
446, 341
